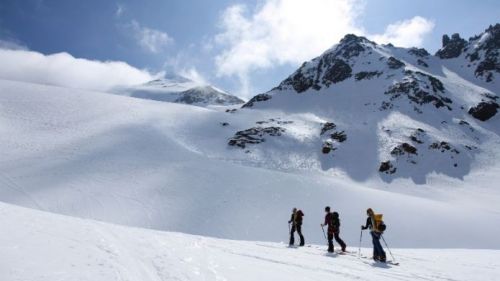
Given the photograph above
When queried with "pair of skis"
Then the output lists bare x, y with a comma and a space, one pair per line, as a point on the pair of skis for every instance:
359, 256
393, 261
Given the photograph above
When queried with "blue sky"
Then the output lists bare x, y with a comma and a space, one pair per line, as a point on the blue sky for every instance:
243, 47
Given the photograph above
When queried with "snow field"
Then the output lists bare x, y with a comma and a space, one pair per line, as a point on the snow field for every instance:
40, 246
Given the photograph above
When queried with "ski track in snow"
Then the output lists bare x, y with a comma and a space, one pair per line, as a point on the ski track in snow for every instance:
46, 247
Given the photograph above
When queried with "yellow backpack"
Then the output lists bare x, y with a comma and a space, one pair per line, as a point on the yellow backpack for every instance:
378, 223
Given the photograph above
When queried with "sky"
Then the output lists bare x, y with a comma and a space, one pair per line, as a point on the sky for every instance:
243, 47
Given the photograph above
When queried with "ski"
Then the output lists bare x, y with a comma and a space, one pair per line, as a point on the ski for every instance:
390, 262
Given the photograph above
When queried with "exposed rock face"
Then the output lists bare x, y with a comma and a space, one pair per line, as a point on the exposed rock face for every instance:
351, 46
330, 68
419, 52
257, 98
367, 75
387, 167
404, 148
300, 81
337, 72
491, 58
327, 147
333, 71
339, 136
419, 88
484, 110
424, 145
481, 51
254, 135
443, 146
277, 121
335, 137
327, 127
452, 48
394, 63
417, 136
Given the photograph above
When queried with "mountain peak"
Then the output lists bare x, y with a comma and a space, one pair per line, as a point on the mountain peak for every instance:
494, 29
352, 38
350, 46
179, 89
169, 80
407, 78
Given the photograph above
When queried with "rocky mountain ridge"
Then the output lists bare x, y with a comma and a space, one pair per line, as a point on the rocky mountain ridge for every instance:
446, 103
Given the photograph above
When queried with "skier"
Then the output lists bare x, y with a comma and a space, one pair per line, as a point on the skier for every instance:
376, 225
296, 221
333, 222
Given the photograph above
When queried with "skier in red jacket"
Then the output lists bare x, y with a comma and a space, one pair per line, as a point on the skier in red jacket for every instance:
333, 222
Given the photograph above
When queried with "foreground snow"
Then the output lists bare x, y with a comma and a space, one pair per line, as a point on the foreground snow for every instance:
39, 246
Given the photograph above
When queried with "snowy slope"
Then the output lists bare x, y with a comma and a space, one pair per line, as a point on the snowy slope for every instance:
169, 166
46, 247
179, 89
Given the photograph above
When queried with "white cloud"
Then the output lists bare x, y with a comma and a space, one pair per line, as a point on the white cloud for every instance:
62, 69
193, 74
149, 39
406, 33
282, 32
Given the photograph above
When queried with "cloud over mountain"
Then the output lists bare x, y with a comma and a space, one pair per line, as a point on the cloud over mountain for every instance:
62, 69
282, 32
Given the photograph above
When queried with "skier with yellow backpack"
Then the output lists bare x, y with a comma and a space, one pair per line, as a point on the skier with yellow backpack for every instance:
377, 227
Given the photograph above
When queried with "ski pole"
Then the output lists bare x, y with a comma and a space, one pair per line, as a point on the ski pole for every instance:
289, 232
359, 248
324, 235
393, 259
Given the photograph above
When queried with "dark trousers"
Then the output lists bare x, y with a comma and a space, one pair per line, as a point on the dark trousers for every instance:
330, 242
297, 228
337, 238
378, 251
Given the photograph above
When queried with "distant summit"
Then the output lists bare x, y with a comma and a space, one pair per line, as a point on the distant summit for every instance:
179, 89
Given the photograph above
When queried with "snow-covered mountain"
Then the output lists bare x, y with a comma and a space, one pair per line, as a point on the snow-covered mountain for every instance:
399, 111
178, 89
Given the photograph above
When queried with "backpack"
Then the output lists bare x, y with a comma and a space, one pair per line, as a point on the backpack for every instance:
378, 223
335, 221
298, 216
